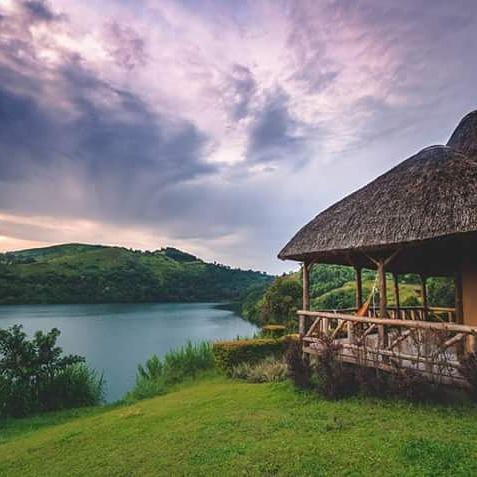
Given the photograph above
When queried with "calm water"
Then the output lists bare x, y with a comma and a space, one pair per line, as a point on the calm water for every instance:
115, 338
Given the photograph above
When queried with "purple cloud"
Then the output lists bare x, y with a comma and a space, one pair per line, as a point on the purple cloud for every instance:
184, 120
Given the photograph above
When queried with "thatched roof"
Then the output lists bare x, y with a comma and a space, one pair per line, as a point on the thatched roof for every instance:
464, 138
431, 195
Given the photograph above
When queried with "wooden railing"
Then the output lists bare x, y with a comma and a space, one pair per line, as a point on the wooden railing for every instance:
432, 313
430, 347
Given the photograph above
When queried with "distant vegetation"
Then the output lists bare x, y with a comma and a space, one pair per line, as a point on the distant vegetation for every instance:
76, 273
333, 287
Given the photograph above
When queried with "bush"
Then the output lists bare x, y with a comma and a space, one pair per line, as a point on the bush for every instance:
76, 386
156, 377
35, 375
270, 370
334, 378
187, 361
273, 331
298, 367
229, 354
468, 369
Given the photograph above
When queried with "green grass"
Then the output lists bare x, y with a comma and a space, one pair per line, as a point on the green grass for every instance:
221, 427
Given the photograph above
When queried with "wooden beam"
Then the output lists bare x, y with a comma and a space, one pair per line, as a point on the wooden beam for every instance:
424, 325
424, 296
383, 300
459, 307
359, 288
396, 295
306, 285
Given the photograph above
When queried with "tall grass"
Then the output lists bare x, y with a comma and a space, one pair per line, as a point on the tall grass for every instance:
157, 376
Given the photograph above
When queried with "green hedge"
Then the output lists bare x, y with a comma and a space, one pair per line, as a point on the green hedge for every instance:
231, 353
273, 331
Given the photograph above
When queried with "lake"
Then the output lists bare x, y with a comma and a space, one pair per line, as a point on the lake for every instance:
115, 338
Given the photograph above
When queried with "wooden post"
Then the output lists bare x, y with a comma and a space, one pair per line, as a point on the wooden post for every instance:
396, 295
459, 307
383, 302
359, 288
306, 286
306, 298
301, 326
424, 296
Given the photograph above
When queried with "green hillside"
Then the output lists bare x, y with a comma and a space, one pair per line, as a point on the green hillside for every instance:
220, 427
333, 287
77, 273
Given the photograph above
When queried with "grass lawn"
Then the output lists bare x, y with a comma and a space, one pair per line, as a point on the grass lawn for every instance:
221, 427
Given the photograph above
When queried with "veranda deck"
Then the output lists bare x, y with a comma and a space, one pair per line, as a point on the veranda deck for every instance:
431, 348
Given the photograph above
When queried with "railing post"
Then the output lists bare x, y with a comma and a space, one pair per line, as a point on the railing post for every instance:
301, 325
350, 326
324, 326
470, 344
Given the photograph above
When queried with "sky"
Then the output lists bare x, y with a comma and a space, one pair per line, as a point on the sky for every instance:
218, 127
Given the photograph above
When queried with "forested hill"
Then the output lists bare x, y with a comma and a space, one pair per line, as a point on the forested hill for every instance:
77, 273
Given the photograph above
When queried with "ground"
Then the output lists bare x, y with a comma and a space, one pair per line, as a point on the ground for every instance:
221, 427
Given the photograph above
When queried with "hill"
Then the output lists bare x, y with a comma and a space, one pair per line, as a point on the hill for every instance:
78, 273
221, 427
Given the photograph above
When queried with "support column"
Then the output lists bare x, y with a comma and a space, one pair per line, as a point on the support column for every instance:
396, 295
359, 288
306, 285
383, 302
424, 296
459, 307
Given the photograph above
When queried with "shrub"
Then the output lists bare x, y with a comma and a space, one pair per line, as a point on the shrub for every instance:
298, 367
36, 376
156, 377
335, 380
152, 369
270, 370
147, 388
273, 331
76, 386
468, 369
411, 385
229, 354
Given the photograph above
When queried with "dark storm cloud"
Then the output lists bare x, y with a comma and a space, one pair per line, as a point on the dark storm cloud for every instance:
124, 152
274, 135
118, 138
39, 10
25, 135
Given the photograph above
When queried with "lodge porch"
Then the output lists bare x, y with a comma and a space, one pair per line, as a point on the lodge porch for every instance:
429, 340
430, 348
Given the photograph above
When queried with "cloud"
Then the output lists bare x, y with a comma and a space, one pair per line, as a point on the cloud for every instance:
38, 10
216, 126
241, 87
125, 45
275, 135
